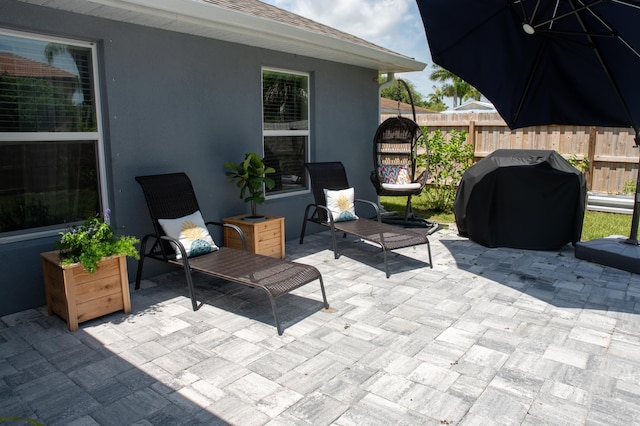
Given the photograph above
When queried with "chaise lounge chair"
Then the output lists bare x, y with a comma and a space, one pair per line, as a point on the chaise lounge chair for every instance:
171, 196
331, 176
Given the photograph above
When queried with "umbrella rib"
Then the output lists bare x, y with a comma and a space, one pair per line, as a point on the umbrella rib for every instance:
576, 33
613, 33
604, 66
627, 3
573, 12
524, 12
525, 92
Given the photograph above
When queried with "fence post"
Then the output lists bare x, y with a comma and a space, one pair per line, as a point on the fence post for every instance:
591, 155
471, 134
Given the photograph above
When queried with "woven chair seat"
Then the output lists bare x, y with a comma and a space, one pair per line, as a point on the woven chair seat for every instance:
387, 236
275, 276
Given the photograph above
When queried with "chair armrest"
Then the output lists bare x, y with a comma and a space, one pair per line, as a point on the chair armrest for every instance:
370, 204
234, 227
326, 209
422, 179
178, 244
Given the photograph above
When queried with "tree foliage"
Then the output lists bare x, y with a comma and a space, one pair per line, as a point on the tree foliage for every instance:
453, 86
397, 91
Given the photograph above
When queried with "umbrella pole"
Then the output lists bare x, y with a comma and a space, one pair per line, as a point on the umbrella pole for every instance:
633, 236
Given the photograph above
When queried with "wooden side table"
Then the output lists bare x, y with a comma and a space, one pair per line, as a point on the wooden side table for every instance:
264, 237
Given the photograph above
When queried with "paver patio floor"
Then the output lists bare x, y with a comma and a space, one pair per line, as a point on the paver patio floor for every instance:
486, 337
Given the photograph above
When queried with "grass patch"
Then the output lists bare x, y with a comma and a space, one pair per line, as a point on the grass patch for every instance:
398, 204
600, 224
595, 225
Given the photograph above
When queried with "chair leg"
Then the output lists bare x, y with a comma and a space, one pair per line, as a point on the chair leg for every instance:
276, 317
430, 259
304, 223
187, 274
336, 255
274, 307
386, 265
143, 246
324, 295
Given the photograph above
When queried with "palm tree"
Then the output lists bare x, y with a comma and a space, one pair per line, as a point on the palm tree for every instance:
435, 100
454, 86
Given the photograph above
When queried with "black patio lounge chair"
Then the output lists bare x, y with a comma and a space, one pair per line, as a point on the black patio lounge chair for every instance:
171, 196
332, 176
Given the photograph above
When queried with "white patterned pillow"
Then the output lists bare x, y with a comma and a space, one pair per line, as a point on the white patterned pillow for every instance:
340, 203
403, 178
192, 233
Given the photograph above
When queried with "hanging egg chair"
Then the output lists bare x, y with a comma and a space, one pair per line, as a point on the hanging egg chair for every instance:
395, 157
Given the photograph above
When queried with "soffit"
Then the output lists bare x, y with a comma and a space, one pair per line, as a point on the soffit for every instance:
248, 22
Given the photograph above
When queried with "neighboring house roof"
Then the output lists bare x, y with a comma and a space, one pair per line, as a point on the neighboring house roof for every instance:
19, 66
477, 106
248, 22
389, 106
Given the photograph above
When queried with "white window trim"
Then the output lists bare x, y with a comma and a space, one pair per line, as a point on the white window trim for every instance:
307, 133
98, 136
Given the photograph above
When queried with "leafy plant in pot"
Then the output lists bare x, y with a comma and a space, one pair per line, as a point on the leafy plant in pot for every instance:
250, 175
92, 241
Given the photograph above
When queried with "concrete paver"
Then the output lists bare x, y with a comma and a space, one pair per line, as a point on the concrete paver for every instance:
488, 336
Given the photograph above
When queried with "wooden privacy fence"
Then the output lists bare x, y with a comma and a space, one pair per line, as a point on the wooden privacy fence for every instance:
612, 155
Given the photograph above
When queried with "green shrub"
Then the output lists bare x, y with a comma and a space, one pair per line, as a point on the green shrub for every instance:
582, 165
447, 159
629, 187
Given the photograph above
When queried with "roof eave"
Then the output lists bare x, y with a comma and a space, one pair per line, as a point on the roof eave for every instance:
212, 21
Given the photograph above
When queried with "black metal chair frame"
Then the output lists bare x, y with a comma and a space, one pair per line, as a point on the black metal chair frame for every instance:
332, 176
171, 196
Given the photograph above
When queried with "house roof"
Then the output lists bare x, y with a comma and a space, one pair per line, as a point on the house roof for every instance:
389, 106
473, 106
248, 22
18, 66
476, 105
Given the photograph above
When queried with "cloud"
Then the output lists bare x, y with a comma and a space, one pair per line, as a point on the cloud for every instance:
393, 24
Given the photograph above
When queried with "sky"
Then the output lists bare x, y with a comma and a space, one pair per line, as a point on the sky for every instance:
393, 24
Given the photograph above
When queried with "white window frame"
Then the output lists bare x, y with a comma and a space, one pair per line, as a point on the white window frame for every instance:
96, 136
307, 133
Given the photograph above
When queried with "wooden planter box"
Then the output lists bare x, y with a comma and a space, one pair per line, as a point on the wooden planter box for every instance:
76, 295
265, 237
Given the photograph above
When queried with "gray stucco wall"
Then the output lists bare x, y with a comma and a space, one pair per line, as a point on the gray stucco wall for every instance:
175, 102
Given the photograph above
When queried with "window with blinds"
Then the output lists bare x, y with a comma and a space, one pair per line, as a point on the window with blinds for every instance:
285, 124
50, 147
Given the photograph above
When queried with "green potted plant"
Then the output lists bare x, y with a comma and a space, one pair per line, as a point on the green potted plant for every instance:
87, 276
92, 241
250, 175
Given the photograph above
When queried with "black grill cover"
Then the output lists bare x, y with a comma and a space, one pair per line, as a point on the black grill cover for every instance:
532, 199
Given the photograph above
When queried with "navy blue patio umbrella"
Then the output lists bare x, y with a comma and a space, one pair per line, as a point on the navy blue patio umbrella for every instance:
543, 62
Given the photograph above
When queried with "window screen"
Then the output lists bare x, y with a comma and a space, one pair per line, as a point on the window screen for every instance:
285, 100
49, 144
